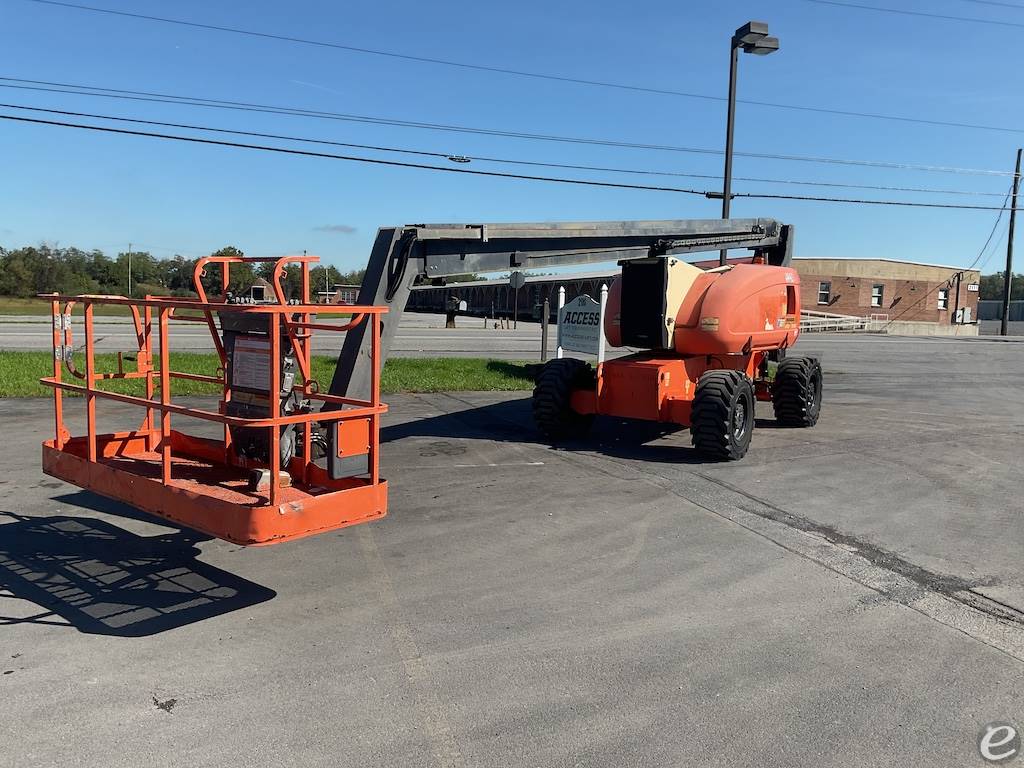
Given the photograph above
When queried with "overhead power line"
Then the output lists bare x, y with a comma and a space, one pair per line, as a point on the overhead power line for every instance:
1018, 6
423, 166
995, 249
520, 73
856, 201
995, 225
456, 157
163, 98
934, 289
900, 11
351, 158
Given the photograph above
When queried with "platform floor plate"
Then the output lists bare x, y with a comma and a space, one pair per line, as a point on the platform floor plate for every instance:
211, 497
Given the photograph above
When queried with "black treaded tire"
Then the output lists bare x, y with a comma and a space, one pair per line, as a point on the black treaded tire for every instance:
796, 392
722, 419
556, 382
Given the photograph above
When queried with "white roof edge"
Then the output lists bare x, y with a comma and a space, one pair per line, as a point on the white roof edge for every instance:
890, 261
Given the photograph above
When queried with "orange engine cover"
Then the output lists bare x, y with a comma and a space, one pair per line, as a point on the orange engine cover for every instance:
745, 308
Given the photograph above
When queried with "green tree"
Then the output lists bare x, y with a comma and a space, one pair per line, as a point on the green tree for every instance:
17, 274
27, 271
992, 286
144, 273
240, 276
352, 277
102, 270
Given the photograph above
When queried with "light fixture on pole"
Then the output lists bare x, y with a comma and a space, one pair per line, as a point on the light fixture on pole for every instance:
753, 38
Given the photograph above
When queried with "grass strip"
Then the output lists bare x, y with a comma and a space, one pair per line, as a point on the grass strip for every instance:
41, 307
20, 372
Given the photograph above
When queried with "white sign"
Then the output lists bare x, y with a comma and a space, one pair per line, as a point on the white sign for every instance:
972, 287
579, 325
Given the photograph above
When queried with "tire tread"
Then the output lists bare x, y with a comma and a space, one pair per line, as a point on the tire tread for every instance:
551, 398
790, 391
709, 418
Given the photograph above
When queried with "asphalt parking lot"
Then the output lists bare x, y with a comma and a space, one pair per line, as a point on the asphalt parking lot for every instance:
847, 595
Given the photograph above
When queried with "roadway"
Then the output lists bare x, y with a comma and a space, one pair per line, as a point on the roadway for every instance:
419, 335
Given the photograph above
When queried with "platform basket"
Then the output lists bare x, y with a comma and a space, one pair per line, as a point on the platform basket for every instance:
204, 483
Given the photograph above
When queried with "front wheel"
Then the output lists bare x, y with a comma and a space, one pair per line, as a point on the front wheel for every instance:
552, 411
722, 418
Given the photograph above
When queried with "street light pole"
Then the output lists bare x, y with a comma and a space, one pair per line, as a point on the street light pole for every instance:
734, 56
753, 38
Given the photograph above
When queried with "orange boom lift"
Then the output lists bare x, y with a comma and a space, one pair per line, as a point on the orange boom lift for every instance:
259, 483
715, 339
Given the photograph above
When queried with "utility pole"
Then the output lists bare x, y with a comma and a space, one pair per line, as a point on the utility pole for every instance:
956, 303
129, 270
1008, 277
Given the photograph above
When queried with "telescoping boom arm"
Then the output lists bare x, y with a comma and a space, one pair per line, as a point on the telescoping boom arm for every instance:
401, 256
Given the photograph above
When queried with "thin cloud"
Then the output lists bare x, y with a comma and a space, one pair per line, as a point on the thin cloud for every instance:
318, 87
337, 229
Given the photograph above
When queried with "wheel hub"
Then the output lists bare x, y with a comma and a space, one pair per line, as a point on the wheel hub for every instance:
812, 392
739, 419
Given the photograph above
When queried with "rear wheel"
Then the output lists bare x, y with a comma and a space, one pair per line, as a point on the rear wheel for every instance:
722, 418
796, 392
552, 412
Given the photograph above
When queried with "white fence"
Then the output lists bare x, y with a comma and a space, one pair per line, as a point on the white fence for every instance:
821, 322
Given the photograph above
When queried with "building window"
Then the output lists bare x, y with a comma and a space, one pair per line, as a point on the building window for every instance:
876, 295
943, 298
824, 293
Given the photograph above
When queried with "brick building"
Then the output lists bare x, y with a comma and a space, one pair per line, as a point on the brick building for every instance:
339, 294
925, 299
904, 291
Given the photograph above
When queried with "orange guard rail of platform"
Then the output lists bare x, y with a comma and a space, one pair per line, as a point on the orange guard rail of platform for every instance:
199, 482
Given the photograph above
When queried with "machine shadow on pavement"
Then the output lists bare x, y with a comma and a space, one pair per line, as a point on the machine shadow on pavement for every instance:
512, 421
102, 579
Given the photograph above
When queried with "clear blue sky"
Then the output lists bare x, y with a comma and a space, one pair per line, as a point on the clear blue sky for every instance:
101, 191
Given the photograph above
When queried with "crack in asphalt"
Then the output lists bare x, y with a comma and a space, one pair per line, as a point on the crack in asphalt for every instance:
922, 581
957, 588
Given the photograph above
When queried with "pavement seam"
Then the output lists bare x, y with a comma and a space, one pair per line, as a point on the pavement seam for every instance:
951, 609
438, 728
